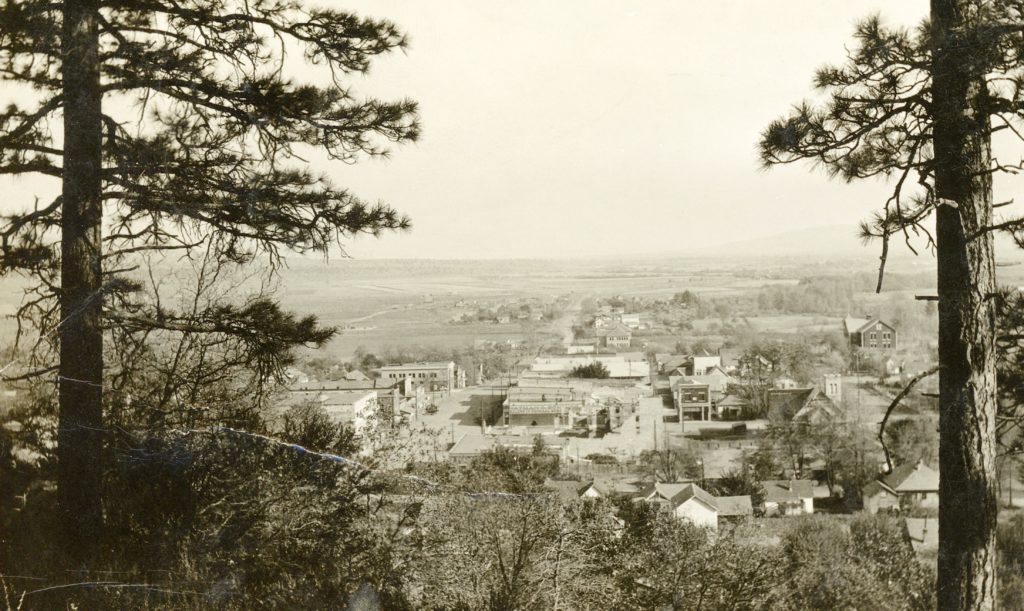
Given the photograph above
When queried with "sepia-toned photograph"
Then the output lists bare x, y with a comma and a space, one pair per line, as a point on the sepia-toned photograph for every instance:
512, 305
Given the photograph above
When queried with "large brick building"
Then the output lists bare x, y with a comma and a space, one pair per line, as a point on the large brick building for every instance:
870, 333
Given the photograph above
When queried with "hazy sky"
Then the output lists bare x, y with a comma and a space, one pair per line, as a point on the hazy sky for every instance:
565, 128
592, 127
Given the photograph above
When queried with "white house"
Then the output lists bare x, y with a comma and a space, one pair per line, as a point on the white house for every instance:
788, 497
703, 362
685, 501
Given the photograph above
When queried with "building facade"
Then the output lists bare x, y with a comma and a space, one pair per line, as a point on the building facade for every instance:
692, 399
870, 334
437, 376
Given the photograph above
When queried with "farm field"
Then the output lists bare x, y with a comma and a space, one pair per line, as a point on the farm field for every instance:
407, 304
382, 304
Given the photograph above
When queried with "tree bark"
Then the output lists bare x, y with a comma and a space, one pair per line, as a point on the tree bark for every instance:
966, 284
80, 433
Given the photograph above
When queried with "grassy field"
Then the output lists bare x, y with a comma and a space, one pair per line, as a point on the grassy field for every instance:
382, 304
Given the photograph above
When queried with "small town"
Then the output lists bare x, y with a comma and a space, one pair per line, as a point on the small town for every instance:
720, 438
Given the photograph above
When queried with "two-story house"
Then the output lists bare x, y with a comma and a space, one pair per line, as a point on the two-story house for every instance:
870, 333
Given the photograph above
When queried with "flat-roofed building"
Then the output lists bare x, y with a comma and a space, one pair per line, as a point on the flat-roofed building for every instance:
391, 394
544, 405
625, 366
437, 375
692, 399
472, 445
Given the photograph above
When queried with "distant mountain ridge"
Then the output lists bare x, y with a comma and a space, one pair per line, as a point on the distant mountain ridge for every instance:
840, 241
827, 240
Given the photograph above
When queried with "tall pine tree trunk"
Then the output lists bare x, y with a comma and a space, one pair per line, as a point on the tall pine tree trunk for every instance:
966, 285
80, 436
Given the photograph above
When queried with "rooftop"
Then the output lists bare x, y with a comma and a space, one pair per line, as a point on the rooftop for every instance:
787, 491
734, 505
912, 477
853, 325
343, 385
419, 365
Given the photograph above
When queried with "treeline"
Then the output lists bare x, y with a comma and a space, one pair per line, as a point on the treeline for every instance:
223, 518
237, 521
837, 295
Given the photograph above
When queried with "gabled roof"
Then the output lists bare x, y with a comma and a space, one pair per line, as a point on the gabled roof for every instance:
675, 362
356, 376
818, 408
734, 505
616, 329
875, 488
801, 404
913, 477
675, 381
676, 494
853, 325
716, 377
786, 403
787, 491
569, 490
729, 354
693, 491
859, 325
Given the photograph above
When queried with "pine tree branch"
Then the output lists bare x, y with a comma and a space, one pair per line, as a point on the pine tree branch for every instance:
895, 402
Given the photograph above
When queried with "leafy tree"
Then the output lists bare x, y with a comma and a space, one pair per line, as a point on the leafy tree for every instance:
506, 470
485, 553
870, 567
920, 107
686, 299
595, 370
738, 483
675, 565
182, 130
671, 464
912, 440
308, 425
763, 462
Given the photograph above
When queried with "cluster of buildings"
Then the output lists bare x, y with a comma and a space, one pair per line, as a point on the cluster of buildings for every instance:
702, 388
369, 403
689, 501
611, 329
546, 394
634, 400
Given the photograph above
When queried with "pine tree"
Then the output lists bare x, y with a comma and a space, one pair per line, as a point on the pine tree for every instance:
920, 108
183, 131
